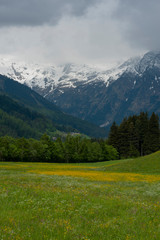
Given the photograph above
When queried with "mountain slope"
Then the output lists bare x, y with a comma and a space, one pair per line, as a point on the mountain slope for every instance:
136, 89
19, 121
96, 96
47, 110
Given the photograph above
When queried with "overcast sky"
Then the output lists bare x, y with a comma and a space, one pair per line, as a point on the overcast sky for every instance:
78, 31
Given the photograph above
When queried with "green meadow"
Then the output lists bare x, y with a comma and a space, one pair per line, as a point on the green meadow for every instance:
114, 200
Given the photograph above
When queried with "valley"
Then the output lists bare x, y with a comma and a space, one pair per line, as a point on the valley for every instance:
96, 95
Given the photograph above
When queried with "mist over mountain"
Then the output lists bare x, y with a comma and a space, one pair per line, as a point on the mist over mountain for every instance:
99, 96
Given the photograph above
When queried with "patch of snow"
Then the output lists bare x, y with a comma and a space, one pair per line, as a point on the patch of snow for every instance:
61, 91
105, 124
68, 75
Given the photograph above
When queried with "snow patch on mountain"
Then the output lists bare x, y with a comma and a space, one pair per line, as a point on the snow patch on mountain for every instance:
51, 77
45, 76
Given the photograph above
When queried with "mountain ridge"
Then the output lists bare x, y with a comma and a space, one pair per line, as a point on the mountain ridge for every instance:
28, 98
96, 96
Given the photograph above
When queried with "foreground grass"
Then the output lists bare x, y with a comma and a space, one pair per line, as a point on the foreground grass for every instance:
109, 200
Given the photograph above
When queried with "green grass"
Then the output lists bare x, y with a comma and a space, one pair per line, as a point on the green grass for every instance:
36, 205
148, 165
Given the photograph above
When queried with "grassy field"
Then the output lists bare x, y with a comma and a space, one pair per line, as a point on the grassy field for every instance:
100, 201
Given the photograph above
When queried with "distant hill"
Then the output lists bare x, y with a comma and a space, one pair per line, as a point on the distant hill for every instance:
22, 108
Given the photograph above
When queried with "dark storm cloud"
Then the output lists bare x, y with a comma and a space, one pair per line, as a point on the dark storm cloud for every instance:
95, 31
38, 12
142, 18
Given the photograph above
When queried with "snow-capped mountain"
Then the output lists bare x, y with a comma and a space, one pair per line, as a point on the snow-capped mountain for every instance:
90, 93
68, 75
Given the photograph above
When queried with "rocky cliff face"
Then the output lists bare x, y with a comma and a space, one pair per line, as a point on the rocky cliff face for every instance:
97, 96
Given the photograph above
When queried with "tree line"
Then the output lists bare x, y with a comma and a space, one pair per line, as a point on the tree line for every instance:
74, 149
137, 135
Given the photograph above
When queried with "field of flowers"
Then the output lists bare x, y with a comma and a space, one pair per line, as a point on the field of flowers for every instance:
110, 200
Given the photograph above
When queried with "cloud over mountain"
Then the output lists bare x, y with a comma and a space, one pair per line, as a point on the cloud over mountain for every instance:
86, 31
38, 12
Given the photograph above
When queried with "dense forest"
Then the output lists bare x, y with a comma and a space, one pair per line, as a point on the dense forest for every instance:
17, 120
137, 135
74, 149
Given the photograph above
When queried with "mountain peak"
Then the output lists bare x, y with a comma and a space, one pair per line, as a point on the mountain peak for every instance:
70, 75
97, 95
149, 60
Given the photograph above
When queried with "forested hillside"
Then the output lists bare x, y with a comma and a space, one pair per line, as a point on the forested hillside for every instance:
19, 121
45, 114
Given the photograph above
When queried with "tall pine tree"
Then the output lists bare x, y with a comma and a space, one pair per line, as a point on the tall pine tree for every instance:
154, 136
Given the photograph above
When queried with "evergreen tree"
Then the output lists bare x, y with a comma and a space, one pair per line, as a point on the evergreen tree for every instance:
137, 135
142, 132
154, 136
114, 137
124, 143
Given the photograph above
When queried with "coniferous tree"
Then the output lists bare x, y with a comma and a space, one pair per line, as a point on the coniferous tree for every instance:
124, 143
114, 138
154, 133
137, 135
142, 131
133, 138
